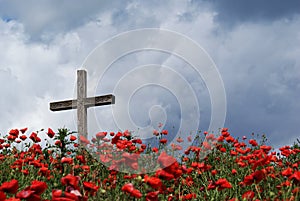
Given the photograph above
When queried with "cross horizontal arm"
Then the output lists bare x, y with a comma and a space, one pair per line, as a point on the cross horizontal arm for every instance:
88, 102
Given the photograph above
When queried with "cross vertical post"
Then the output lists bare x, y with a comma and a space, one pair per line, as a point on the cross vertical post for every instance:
81, 108
82, 103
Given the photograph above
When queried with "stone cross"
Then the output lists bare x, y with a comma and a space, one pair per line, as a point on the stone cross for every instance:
82, 103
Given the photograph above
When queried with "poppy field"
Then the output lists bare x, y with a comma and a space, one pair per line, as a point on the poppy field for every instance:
62, 166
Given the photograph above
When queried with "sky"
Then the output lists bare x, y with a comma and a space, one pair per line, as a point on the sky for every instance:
254, 46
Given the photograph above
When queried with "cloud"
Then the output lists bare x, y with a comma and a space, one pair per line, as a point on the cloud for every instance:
233, 12
43, 20
31, 74
261, 78
258, 59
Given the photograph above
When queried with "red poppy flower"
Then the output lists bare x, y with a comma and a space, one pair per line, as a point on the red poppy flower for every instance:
163, 141
10, 186
136, 193
57, 143
220, 138
164, 132
248, 180
155, 132
34, 137
188, 181
295, 176
259, 175
224, 129
67, 160
70, 180
84, 140
28, 195
154, 182
253, 142
73, 138
214, 172
127, 187
23, 130
90, 187
179, 140
25, 172
38, 186
59, 195
152, 196
2, 196
265, 148
206, 145
164, 174
222, 184
287, 172
138, 141
23, 137
189, 196
81, 158
165, 160
85, 168
11, 137
225, 134
229, 139
211, 186
14, 132
44, 171
296, 190
248, 195
50, 133
101, 135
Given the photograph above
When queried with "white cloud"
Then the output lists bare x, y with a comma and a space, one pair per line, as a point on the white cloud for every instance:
30, 75
43, 20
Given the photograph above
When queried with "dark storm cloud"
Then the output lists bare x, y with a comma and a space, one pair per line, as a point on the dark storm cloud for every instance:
261, 77
231, 12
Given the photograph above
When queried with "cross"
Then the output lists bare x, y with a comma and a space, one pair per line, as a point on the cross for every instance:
82, 103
